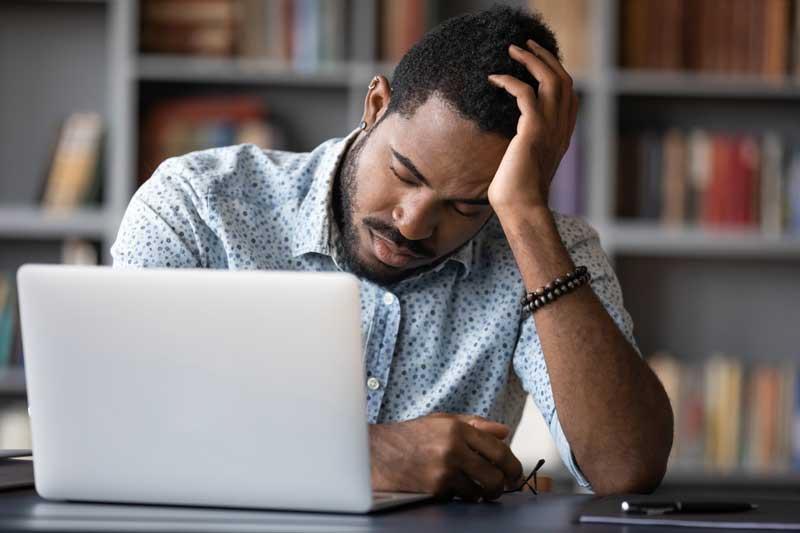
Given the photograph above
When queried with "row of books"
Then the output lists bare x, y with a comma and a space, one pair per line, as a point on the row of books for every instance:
73, 252
757, 37
308, 33
710, 179
304, 33
175, 127
732, 416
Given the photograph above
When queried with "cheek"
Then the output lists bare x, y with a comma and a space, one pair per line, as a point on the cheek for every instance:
455, 230
376, 195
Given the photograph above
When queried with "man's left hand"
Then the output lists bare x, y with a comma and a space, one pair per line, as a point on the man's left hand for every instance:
547, 120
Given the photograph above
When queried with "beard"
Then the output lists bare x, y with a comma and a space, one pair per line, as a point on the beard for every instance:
345, 189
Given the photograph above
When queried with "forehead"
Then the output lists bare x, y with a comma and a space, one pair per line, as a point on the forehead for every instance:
448, 149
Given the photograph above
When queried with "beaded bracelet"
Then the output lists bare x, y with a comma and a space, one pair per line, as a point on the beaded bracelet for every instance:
556, 288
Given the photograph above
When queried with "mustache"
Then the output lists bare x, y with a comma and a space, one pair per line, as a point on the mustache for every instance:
393, 234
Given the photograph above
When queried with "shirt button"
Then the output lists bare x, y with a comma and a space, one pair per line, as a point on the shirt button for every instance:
373, 383
388, 298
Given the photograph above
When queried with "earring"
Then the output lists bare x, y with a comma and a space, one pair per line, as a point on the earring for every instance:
373, 83
363, 125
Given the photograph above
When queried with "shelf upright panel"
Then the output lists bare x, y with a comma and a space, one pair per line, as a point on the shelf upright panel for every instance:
601, 114
122, 46
363, 55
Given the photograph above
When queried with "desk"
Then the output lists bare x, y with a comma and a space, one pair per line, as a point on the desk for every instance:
24, 511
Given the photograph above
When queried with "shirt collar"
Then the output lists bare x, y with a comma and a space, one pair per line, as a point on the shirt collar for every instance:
317, 233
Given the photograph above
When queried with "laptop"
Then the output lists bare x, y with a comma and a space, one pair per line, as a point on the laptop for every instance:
198, 387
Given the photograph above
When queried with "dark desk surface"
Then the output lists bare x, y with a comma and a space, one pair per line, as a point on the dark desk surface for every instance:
23, 510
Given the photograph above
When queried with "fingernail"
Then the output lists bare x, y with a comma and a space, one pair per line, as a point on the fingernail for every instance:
532, 43
515, 47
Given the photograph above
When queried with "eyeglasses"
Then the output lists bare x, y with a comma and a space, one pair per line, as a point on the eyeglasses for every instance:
527, 480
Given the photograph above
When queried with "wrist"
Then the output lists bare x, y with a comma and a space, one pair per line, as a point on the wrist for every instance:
534, 239
528, 215
377, 472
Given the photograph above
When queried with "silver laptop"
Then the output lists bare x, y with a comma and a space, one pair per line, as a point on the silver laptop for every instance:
198, 387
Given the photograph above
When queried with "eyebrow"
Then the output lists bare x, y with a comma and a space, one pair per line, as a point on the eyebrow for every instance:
417, 174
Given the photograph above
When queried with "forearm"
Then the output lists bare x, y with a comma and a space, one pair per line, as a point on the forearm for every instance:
612, 407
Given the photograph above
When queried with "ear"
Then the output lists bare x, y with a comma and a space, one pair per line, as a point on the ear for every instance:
377, 100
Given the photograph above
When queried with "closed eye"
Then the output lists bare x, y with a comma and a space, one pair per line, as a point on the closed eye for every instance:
414, 183
401, 178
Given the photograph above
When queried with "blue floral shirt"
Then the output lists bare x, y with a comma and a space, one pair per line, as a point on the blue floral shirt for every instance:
452, 338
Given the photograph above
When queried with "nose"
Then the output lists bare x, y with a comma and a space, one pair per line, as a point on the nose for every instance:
416, 218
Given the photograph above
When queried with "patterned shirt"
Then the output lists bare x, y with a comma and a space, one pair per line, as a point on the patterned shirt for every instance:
452, 338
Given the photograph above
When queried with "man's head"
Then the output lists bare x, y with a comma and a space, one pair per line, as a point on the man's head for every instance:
412, 188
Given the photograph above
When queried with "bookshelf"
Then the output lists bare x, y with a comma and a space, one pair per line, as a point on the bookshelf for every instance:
100, 40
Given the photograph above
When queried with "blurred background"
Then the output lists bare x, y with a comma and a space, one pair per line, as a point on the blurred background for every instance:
686, 158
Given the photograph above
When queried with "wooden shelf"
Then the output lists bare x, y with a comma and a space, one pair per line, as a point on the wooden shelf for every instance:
679, 83
636, 238
34, 222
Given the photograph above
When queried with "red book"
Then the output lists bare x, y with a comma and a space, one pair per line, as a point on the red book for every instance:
713, 202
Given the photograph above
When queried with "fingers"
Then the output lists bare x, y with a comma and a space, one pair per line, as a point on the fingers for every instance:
523, 92
501, 431
569, 99
462, 486
550, 94
491, 479
544, 54
556, 99
496, 452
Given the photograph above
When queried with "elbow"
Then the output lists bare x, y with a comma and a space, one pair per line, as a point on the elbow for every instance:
644, 469
642, 480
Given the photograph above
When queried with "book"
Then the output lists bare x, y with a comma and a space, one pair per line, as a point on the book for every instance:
199, 27
78, 252
306, 31
8, 317
772, 183
569, 20
74, 177
674, 179
401, 25
792, 200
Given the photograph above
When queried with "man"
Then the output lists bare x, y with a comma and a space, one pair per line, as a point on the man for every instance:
438, 202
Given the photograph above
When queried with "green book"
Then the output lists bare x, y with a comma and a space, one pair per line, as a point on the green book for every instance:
7, 300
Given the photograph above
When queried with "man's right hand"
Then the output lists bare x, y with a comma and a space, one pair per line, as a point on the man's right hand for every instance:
446, 455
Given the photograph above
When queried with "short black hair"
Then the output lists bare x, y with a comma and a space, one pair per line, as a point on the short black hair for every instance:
454, 59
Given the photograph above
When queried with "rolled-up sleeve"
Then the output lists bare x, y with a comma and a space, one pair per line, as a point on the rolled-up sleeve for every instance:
530, 366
